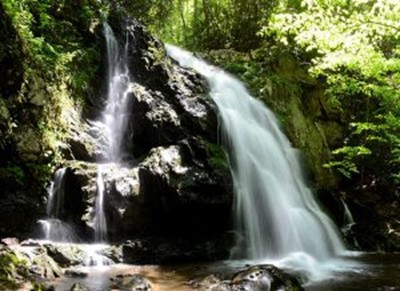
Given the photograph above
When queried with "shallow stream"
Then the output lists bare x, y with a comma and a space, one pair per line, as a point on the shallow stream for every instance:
374, 272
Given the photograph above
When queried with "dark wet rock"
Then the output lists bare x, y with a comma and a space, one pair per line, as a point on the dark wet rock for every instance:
255, 278
134, 282
182, 181
169, 102
155, 121
80, 145
75, 273
167, 250
65, 255
213, 282
18, 210
264, 277
182, 192
77, 286
121, 188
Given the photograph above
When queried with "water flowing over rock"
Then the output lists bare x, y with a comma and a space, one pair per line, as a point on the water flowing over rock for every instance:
64, 209
164, 173
276, 213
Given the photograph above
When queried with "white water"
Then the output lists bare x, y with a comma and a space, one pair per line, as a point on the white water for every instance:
348, 217
348, 224
277, 216
56, 191
100, 224
56, 230
115, 118
116, 115
53, 228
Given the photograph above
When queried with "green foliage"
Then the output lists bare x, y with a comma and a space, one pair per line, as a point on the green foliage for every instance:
349, 155
61, 61
203, 24
354, 46
17, 173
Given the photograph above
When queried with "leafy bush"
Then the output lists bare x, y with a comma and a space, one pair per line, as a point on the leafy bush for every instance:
355, 48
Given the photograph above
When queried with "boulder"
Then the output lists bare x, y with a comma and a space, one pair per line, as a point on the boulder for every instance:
65, 255
182, 192
264, 278
166, 250
134, 282
75, 273
213, 282
77, 286
45, 267
255, 278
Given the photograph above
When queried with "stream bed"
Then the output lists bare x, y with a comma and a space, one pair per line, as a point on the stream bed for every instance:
374, 271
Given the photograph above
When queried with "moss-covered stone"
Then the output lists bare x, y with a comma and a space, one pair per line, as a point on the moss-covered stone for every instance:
13, 268
218, 158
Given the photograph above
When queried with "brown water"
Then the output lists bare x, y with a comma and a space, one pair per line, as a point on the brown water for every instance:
375, 272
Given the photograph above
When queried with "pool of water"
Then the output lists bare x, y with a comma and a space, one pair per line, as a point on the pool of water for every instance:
372, 272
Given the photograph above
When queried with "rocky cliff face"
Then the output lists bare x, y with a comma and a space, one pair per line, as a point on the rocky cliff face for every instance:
174, 181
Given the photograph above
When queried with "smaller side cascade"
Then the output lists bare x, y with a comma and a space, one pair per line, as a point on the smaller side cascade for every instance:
54, 228
100, 227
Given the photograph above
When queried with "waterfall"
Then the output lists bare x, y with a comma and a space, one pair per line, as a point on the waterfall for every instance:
348, 223
115, 117
115, 114
53, 227
276, 214
100, 225
56, 193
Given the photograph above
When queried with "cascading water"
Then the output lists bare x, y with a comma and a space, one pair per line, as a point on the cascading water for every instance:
100, 225
54, 228
56, 192
115, 114
348, 223
276, 213
115, 119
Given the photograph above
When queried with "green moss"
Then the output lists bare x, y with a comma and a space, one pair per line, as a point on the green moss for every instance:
12, 268
217, 156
